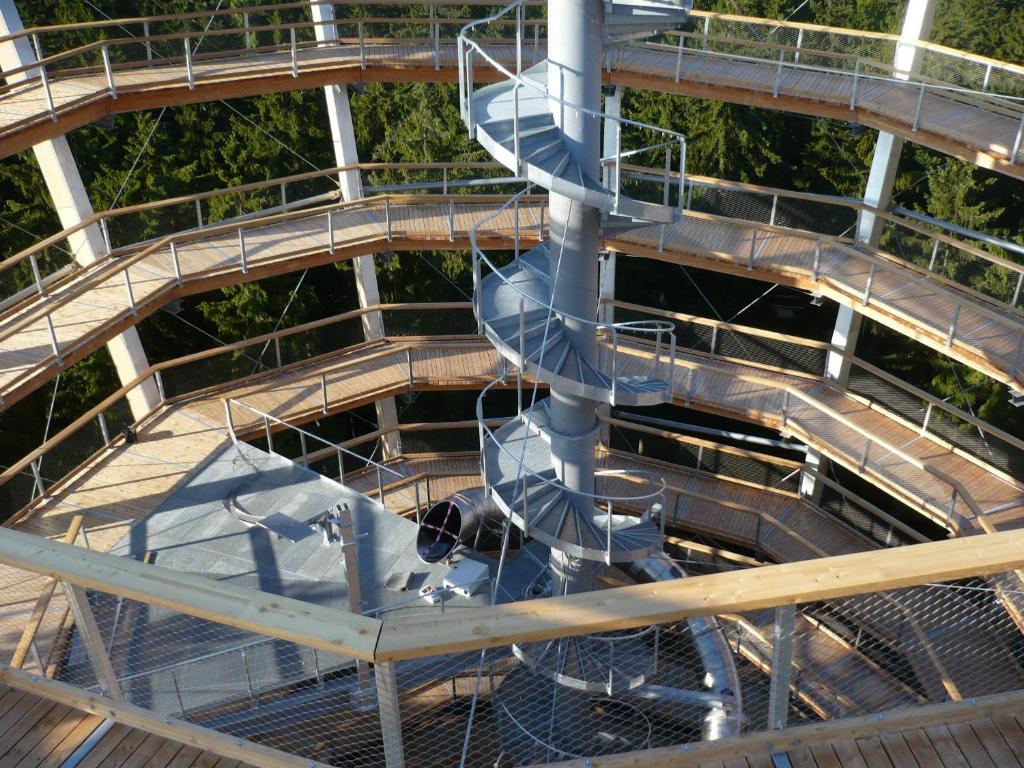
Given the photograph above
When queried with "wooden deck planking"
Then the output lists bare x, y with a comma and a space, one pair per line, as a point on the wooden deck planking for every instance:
87, 319
815, 92
300, 391
900, 297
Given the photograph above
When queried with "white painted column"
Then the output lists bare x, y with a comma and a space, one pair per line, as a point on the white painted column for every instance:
917, 25
343, 138
71, 201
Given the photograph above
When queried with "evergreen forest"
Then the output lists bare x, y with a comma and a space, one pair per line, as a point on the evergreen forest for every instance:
154, 154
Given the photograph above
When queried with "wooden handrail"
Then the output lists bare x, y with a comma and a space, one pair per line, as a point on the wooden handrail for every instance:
921, 44
839, 352
96, 218
122, 391
106, 270
477, 628
878, 258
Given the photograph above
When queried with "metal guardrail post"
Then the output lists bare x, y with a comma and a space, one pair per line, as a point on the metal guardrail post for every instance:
105, 50
408, 362
679, 58
682, 173
176, 262
1017, 290
44, 78
668, 173
469, 91
390, 714
867, 287
1017, 141
387, 216
618, 162
277, 350
105, 232
856, 81
362, 46
782, 666
816, 266
294, 52
778, 75
199, 214
53, 340
330, 232
229, 419
917, 112
269, 435
515, 210
36, 274
608, 552
245, 30
189, 74
952, 326
323, 391
159, 380
988, 74
147, 42
104, 430
241, 251
515, 129
128, 290
451, 222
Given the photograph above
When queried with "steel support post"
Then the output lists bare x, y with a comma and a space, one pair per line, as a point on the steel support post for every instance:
390, 714
917, 25
782, 666
71, 201
89, 632
343, 138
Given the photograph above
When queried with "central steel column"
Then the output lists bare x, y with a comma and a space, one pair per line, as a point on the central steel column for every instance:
574, 74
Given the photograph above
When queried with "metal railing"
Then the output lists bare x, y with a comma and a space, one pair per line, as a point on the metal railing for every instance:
661, 333
646, 500
385, 475
468, 48
197, 375
860, 59
859, 647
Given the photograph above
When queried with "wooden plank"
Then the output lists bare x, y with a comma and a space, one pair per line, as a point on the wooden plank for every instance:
295, 620
946, 747
972, 749
922, 749
748, 589
1012, 734
874, 754
994, 743
137, 717
898, 750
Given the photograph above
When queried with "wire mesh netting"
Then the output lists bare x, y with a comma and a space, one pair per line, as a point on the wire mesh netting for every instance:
542, 700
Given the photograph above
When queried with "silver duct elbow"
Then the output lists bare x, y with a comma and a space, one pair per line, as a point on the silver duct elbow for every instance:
454, 521
725, 717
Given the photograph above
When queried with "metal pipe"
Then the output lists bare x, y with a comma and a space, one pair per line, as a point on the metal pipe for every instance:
725, 715
737, 436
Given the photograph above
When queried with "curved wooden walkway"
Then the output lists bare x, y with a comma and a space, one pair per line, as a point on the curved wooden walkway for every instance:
83, 311
125, 483
978, 127
943, 315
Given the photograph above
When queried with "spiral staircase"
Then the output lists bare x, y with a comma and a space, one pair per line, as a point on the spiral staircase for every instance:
620, 522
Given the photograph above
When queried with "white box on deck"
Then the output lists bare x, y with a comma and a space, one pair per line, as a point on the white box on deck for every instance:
466, 577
